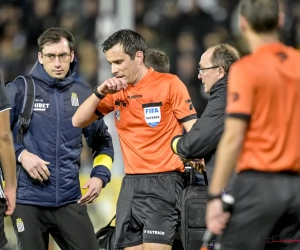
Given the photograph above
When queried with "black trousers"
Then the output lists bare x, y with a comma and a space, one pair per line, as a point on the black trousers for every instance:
69, 225
266, 213
148, 209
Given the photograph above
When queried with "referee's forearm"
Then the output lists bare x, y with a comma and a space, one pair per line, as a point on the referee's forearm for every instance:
85, 114
227, 154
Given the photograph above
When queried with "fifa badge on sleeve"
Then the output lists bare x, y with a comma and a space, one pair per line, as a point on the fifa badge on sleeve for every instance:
117, 115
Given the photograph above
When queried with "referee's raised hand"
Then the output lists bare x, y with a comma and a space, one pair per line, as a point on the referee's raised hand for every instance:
112, 85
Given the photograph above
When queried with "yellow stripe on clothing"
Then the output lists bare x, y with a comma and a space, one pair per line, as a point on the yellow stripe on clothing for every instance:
104, 160
174, 144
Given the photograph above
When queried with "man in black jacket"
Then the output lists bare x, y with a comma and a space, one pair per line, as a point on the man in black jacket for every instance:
202, 140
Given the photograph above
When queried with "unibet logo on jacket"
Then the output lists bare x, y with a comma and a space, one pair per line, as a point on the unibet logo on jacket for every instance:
40, 105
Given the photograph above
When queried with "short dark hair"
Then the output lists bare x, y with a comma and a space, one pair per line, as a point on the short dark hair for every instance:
54, 35
262, 15
224, 55
158, 60
131, 41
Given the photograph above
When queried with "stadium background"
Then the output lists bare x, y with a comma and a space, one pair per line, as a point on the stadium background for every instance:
182, 28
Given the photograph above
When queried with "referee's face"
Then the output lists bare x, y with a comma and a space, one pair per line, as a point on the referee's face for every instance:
122, 66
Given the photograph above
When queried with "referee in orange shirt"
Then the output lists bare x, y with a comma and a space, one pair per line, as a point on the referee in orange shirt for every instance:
150, 108
261, 139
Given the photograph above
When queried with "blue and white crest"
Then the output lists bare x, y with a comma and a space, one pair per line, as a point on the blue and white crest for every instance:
152, 116
117, 115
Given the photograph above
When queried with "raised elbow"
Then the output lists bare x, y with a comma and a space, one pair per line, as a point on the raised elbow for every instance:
76, 123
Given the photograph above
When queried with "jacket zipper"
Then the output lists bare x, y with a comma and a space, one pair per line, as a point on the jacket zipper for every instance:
18, 175
57, 147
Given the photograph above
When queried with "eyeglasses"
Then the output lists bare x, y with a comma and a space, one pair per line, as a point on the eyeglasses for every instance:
61, 57
201, 70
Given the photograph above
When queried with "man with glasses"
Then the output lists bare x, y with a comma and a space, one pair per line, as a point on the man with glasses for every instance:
49, 198
202, 140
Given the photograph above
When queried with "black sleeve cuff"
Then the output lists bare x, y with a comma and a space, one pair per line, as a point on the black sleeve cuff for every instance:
188, 118
244, 117
102, 173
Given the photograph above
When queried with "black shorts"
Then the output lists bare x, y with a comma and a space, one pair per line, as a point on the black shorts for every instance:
266, 212
148, 209
69, 225
3, 240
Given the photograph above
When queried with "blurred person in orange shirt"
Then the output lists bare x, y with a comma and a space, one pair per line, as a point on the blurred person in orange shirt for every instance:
260, 140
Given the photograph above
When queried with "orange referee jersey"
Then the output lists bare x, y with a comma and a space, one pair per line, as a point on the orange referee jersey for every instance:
147, 116
265, 88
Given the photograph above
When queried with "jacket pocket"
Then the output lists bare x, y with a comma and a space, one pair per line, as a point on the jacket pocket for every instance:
75, 172
22, 182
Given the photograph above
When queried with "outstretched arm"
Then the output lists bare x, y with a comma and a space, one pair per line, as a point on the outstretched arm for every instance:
202, 139
227, 154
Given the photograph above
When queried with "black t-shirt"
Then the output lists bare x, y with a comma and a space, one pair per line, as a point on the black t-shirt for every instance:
4, 103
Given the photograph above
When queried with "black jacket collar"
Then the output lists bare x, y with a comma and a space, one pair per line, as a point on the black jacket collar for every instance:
220, 84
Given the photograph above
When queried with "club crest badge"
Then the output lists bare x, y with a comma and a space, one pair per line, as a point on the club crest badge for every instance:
20, 225
74, 99
152, 116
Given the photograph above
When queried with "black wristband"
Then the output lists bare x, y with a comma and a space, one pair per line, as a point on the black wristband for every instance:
100, 96
211, 197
